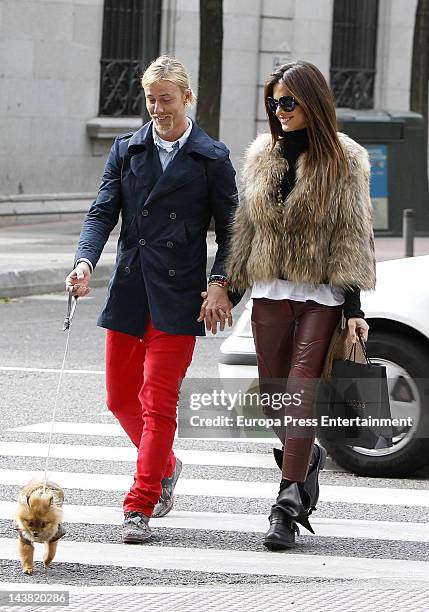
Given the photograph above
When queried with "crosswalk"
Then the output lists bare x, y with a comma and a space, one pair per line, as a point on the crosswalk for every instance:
220, 514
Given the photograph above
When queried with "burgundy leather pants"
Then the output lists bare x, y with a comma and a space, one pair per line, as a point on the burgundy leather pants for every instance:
292, 339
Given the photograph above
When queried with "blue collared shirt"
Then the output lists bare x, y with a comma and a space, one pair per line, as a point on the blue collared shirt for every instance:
166, 149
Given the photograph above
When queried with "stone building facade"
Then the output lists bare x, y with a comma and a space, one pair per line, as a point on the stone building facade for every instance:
53, 139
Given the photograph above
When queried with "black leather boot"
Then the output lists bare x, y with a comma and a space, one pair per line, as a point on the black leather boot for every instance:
281, 534
311, 484
291, 502
285, 514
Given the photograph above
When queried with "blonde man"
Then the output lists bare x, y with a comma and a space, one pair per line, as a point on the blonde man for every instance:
166, 181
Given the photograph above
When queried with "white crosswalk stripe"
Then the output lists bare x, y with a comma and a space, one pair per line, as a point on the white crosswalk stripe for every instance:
124, 453
243, 562
104, 429
228, 488
212, 559
114, 430
49, 370
244, 523
74, 429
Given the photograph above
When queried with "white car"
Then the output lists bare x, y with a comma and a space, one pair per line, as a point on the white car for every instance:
398, 315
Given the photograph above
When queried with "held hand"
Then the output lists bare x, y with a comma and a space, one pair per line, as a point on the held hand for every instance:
79, 279
216, 308
358, 328
202, 314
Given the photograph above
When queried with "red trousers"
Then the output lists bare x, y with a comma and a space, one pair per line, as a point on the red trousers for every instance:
143, 378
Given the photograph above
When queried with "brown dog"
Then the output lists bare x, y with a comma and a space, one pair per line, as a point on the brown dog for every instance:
38, 519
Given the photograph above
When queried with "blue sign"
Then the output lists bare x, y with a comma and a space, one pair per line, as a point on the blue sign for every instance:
379, 185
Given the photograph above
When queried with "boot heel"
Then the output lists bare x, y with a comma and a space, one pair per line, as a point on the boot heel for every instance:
305, 523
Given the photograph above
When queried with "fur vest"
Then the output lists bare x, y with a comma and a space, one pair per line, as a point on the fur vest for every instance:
292, 240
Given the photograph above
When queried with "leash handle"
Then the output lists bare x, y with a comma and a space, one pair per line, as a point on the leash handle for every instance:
71, 307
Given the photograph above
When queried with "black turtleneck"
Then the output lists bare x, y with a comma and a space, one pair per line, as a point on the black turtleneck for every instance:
292, 145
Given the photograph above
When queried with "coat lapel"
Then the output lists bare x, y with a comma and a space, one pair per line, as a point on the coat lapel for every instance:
184, 168
181, 170
144, 163
147, 169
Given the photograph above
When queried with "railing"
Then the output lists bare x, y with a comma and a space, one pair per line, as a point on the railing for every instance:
353, 88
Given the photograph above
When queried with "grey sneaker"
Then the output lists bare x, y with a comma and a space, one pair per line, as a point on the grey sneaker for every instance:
135, 528
166, 500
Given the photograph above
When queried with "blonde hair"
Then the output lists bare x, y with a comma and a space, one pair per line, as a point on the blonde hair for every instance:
168, 69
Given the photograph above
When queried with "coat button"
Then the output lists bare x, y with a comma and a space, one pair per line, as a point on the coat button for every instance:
142, 242
172, 272
172, 215
127, 270
145, 212
169, 244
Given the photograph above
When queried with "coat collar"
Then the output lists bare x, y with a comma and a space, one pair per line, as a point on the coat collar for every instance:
201, 143
263, 173
144, 163
184, 168
142, 139
198, 141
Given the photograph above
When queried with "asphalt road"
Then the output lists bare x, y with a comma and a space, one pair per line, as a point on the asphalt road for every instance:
31, 342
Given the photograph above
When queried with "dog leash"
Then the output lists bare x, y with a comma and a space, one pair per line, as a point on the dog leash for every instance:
71, 307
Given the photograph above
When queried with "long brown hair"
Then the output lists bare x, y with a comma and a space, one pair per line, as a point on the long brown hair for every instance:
325, 157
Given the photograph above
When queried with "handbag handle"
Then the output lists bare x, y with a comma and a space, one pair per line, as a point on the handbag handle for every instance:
362, 343
353, 352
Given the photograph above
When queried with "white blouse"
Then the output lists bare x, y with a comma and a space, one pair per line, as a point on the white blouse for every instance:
286, 290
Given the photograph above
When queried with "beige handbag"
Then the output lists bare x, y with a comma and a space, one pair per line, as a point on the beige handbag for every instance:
340, 347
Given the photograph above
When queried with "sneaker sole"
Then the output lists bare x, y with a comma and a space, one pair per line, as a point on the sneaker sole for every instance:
179, 471
170, 506
166, 510
131, 540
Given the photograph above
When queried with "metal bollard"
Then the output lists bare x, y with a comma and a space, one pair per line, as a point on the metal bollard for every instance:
408, 231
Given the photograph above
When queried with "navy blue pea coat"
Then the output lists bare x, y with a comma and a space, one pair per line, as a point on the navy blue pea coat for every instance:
162, 255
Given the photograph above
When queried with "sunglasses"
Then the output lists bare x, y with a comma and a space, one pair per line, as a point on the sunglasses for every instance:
286, 103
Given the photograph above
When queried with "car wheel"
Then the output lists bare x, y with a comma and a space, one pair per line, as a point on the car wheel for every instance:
407, 366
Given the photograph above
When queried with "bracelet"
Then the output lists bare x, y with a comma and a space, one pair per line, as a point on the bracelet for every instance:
217, 283
218, 279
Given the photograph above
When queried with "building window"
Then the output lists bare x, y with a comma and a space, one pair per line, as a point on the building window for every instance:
131, 35
354, 41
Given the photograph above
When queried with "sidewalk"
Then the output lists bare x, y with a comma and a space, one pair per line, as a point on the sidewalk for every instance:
333, 595
36, 258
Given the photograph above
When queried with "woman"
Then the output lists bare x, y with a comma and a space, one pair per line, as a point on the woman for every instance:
302, 239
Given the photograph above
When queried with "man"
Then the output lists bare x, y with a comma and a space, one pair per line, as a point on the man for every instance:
166, 181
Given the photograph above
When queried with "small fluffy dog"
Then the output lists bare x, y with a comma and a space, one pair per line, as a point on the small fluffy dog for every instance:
38, 519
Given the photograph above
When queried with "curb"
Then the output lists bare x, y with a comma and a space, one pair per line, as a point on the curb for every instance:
21, 283
43, 208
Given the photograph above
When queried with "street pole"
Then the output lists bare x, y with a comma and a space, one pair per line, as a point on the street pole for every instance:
408, 231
